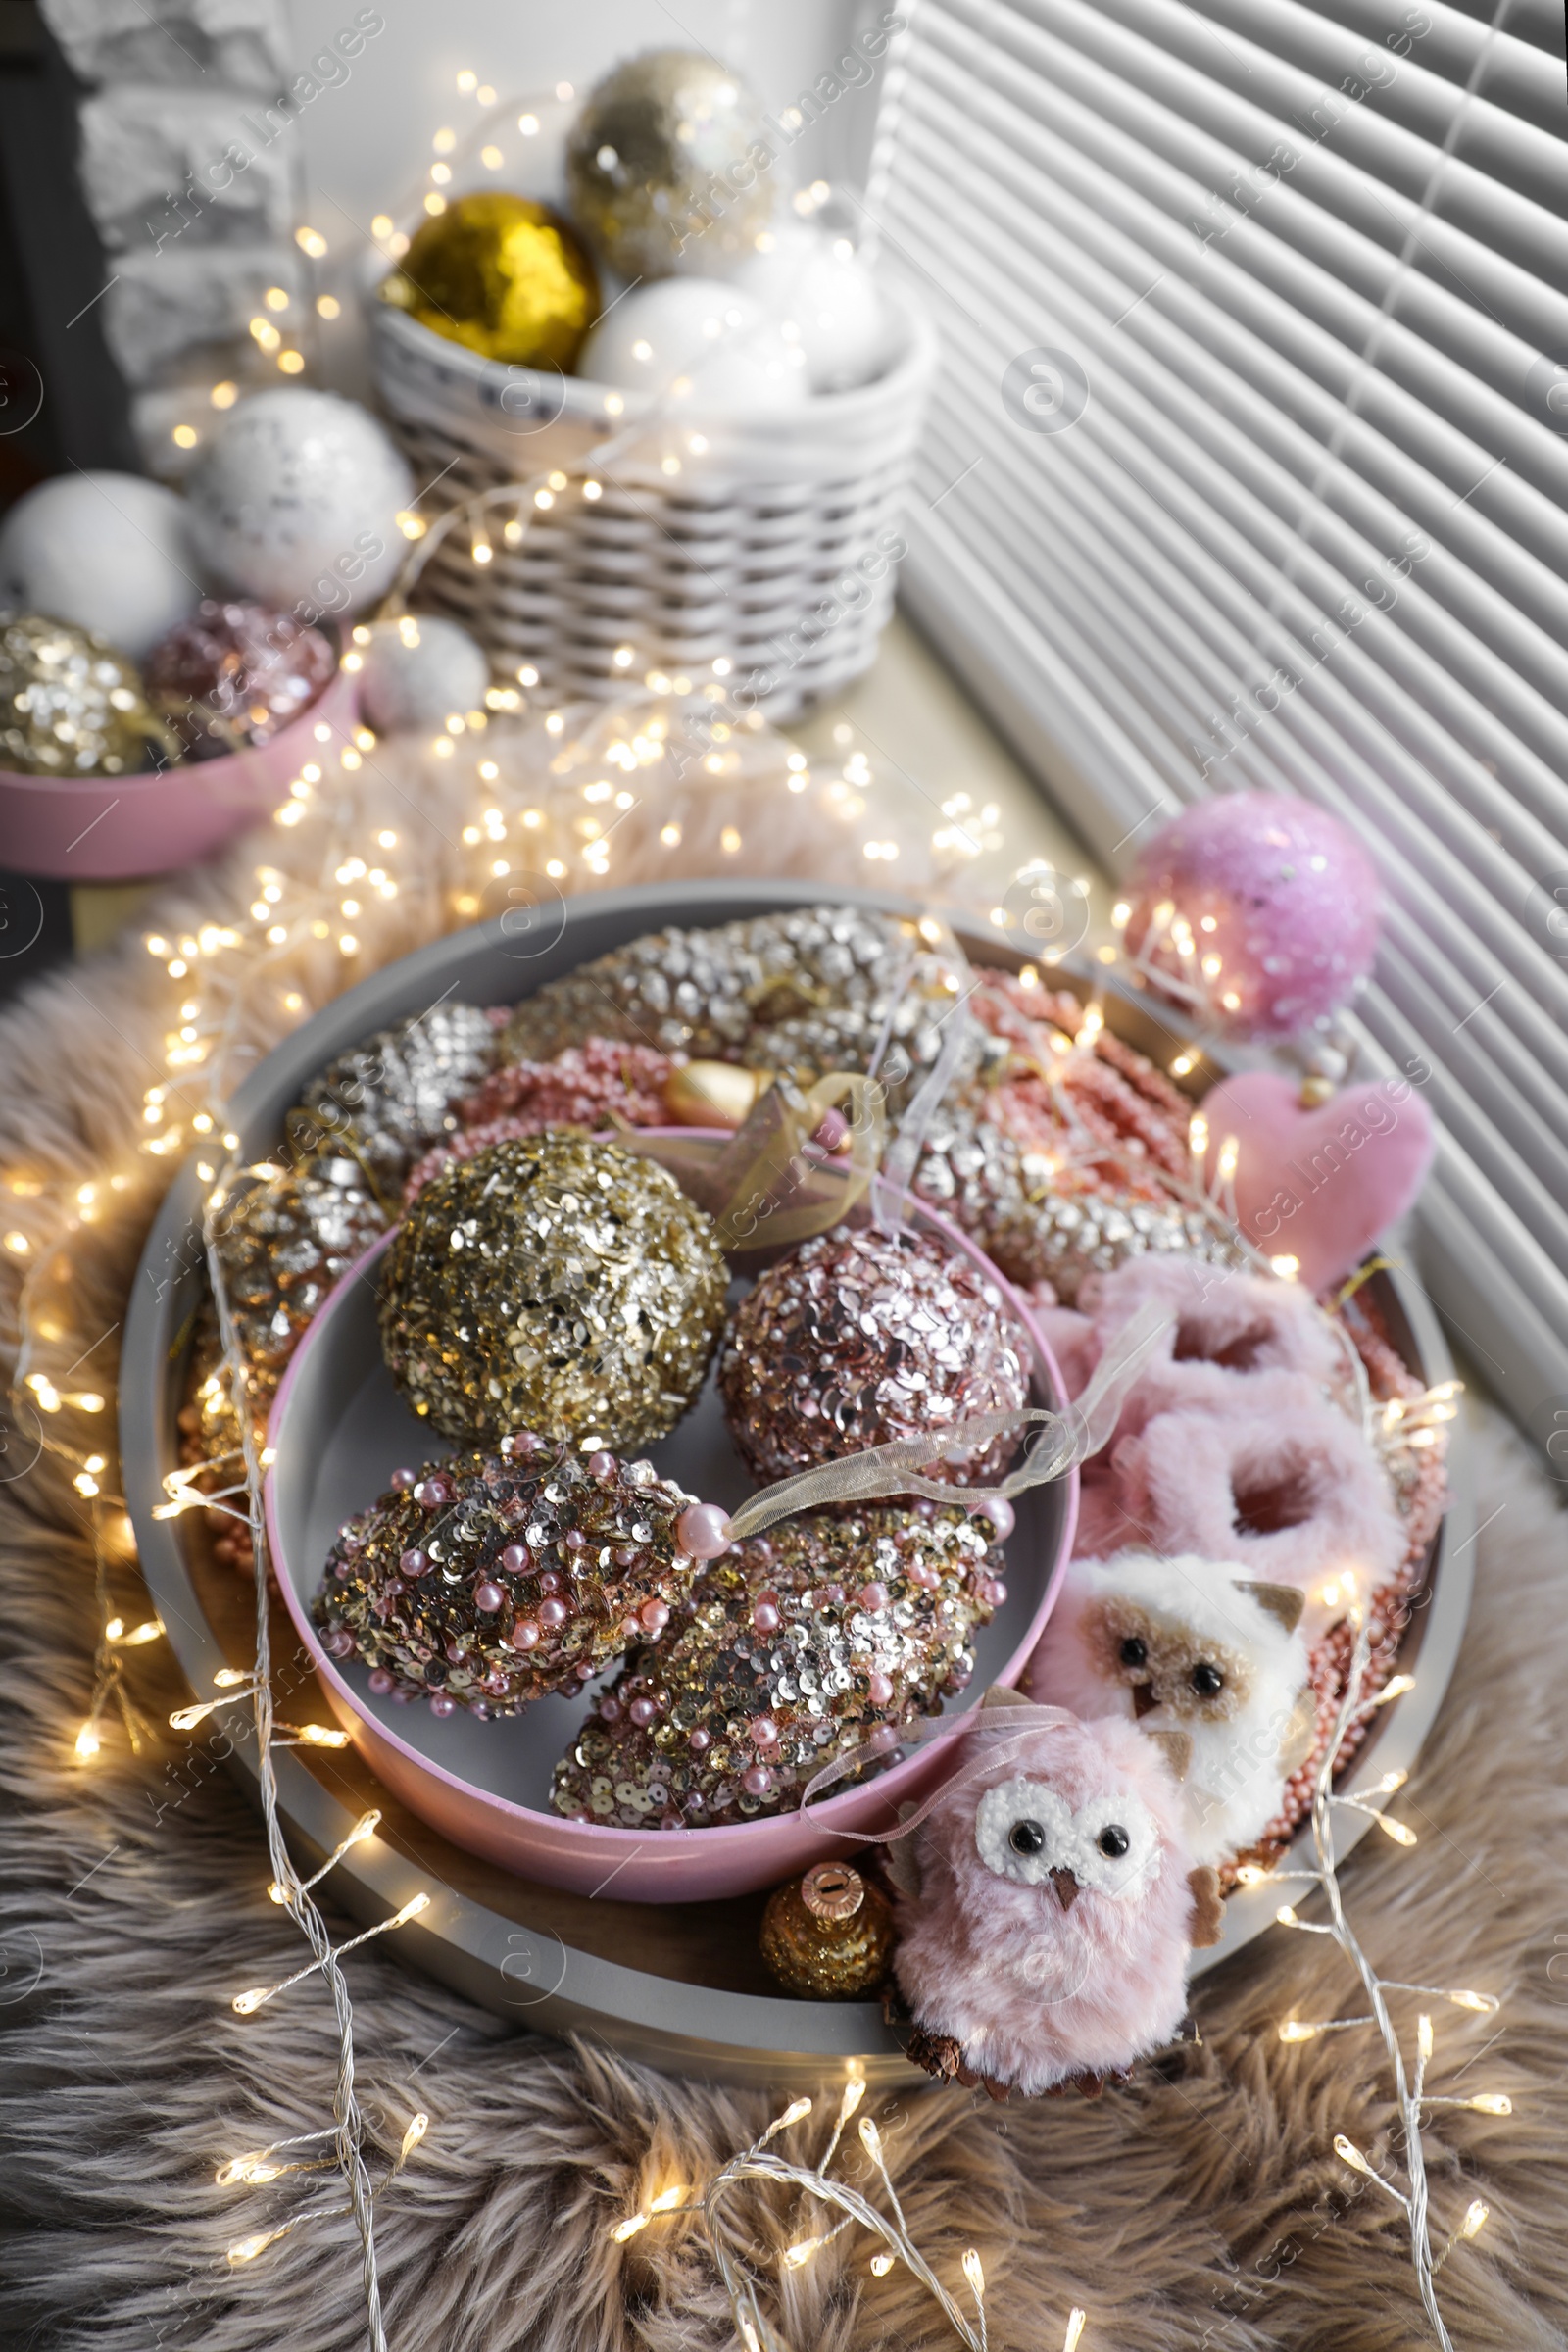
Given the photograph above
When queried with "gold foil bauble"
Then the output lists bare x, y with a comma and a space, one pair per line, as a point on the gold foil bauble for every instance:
553, 1284
70, 704
667, 167
502, 274
827, 1936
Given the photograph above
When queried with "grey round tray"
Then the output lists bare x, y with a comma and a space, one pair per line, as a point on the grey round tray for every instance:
698, 2001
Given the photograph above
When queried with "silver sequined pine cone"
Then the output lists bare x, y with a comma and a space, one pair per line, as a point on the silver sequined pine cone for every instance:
386, 1101
801, 992
1005, 1197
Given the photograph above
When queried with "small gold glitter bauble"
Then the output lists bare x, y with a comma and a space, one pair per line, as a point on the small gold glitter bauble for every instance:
668, 167
70, 704
553, 1284
827, 1936
503, 274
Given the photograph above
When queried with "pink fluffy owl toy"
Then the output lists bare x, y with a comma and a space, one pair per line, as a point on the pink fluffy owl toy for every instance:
1048, 1903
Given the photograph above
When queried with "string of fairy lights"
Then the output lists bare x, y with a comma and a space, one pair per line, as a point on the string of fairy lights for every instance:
547, 787
816, 2185
230, 967
1412, 2100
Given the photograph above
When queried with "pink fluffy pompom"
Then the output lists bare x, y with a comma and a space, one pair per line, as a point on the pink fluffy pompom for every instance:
1287, 1488
1230, 1332
1257, 911
1048, 1905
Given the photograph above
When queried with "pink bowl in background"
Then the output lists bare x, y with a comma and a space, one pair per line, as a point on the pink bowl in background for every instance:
336, 1381
121, 828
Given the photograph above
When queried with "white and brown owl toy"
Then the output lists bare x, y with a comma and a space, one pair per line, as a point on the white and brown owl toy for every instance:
1192, 1646
1046, 1903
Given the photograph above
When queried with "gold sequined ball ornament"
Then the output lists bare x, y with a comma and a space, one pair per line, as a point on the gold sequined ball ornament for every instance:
827, 1936
553, 1284
668, 167
70, 704
502, 274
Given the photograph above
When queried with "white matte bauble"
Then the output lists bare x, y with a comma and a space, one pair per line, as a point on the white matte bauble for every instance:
824, 297
699, 344
296, 501
108, 551
417, 671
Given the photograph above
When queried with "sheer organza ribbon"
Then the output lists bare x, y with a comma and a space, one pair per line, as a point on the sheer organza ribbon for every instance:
771, 1183
1064, 1439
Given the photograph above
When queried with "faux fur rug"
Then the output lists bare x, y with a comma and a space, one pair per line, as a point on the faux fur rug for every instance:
1204, 2207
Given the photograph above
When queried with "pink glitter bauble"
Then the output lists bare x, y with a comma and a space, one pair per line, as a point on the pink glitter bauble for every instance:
1259, 912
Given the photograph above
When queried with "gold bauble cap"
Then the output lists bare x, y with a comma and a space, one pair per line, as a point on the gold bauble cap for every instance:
503, 274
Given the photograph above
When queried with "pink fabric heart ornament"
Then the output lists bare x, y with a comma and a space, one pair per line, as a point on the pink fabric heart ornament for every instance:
1322, 1182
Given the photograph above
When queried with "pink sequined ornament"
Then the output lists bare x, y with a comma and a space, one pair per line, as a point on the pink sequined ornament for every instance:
860, 1337
580, 1087
234, 673
1257, 911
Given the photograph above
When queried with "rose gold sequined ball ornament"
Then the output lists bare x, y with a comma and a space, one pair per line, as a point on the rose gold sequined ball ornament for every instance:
234, 673
827, 1936
861, 1337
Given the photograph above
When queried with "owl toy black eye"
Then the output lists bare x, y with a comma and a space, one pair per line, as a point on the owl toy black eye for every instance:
1113, 1840
1208, 1679
1026, 1838
1133, 1652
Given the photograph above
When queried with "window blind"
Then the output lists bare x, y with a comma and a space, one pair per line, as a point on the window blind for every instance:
1247, 466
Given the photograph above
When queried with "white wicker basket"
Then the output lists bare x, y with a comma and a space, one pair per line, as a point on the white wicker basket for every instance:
670, 546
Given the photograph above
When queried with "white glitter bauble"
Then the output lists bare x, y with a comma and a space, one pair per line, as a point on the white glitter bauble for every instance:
814, 284
415, 671
697, 344
296, 501
107, 552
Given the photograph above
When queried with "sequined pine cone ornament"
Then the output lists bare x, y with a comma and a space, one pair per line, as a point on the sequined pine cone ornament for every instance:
554, 1282
73, 705
801, 992
1007, 1199
795, 1647
860, 1337
827, 1936
284, 1237
489, 1579
386, 1101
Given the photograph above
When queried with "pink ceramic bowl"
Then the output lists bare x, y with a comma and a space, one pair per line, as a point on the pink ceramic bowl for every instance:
339, 1428
119, 828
